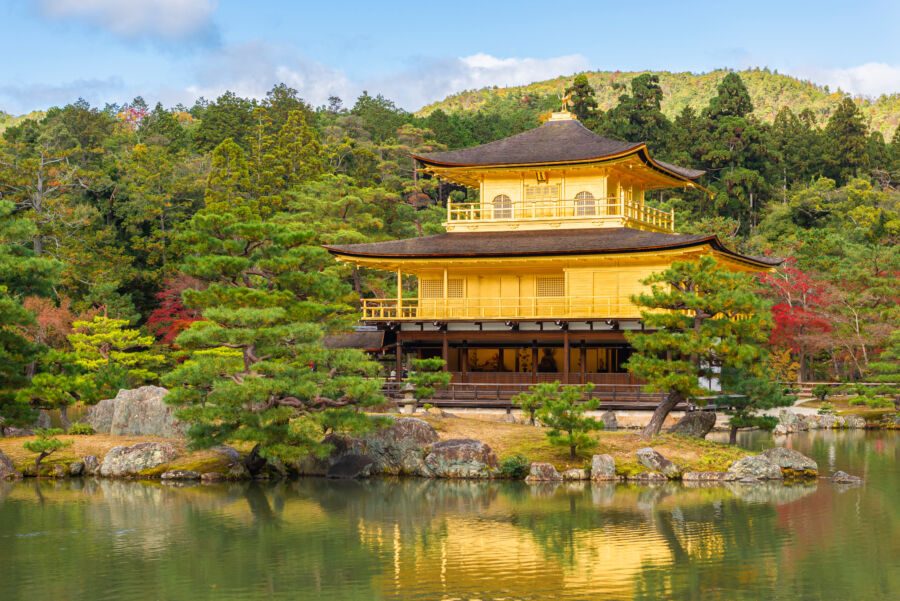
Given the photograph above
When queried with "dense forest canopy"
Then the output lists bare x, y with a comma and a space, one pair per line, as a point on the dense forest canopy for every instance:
115, 217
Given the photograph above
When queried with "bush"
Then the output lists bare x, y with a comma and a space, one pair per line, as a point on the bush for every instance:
879, 403
826, 409
427, 406
80, 429
515, 467
859, 400
820, 391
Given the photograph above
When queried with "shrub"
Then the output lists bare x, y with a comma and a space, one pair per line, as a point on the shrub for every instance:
879, 403
515, 467
820, 391
81, 429
45, 444
858, 400
564, 414
826, 409
427, 376
427, 406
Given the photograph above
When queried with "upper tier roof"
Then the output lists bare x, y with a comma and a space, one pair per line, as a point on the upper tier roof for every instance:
555, 142
586, 241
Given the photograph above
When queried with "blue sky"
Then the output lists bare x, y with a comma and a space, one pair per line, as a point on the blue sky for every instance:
417, 52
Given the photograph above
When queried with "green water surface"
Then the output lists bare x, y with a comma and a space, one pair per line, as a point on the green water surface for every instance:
422, 539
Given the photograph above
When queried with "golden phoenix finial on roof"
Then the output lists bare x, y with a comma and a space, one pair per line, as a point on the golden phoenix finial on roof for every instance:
566, 99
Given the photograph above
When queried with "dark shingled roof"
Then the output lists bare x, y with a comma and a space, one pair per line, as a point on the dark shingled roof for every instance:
553, 142
536, 242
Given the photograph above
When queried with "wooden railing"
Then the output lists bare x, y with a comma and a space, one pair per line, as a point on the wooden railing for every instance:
611, 208
581, 307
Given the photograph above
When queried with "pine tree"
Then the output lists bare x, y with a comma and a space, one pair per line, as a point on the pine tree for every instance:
638, 117
106, 346
258, 372
427, 376
702, 317
583, 101
887, 367
845, 143
563, 412
749, 391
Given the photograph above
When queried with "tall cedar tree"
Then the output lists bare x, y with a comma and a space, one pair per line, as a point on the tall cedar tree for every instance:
845, 143
258, 372
703, 317
22, 274
582, 101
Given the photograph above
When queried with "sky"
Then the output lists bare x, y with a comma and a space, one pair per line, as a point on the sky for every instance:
173, 51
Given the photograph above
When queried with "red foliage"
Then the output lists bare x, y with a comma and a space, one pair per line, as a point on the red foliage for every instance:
798, 312
171, 317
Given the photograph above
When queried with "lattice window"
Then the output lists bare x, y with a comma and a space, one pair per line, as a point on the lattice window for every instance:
502, 207
455, 288
542, 193
431, 288
584, 204
553, 285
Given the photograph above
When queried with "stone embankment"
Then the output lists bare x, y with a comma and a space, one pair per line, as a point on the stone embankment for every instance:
790, 422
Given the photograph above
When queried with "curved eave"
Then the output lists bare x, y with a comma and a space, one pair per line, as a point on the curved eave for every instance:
711, 241
639, 150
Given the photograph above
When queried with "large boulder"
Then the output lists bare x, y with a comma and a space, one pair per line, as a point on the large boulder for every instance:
543, 472
696, 424
401, 447
755, 467
42, 421
603, 468
855, 421
791, 462
703, 477
351, 466
131, 461
652, 460
7, 469
610, 422
91, 465
137, 412
461, 458
787, 418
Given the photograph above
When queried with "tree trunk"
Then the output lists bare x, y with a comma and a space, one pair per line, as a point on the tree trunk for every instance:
253, 462
660, 414
732, 435
572, 450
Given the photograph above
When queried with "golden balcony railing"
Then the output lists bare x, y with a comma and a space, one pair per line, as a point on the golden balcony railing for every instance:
610, 208
583, 307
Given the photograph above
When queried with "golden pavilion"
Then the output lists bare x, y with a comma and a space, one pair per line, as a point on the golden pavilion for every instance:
532, 281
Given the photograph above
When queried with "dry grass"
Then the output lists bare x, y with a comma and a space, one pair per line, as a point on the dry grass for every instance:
531, 442
100, 444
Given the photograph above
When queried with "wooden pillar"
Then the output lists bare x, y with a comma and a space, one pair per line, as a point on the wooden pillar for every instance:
463, 360
445, 351
399, 360
566, 356
534, 361
583, 360
399, 294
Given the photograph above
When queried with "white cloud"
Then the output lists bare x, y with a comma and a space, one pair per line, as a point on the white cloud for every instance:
166, 19
38, 96
869, 79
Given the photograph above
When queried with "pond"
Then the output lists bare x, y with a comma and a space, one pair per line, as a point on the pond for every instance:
422, 539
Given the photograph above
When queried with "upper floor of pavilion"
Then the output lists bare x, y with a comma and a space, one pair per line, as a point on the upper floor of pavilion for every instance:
560, 175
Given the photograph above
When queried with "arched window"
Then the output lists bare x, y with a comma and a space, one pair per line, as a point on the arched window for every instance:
584, 204
502, 206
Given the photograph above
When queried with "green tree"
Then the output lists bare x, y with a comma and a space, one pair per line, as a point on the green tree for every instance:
845, 143
537, 396
638, 117
258, 372
106, 347
701, 317
45, 444
563, 412
230, 116
583, 101
427, 375
886, 368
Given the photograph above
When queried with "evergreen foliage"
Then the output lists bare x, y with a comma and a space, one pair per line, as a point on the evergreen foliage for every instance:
45, 444
563, 411
427, 375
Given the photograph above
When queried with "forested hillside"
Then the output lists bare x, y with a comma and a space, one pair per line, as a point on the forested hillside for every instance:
769, 91
123, 227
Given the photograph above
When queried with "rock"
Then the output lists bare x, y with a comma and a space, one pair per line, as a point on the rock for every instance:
76, 468
231, 453
703, 476
827, 421
754, 466
508, 418
238, 471
610, 422
696, 424
575, 474
603, 467
779, 430
543, 472
435, 412
7, 469
138, 412
651, 476
791, 462
749, 480
91, 465
400, 448
59, 471
652, 460
180, 475
855, 421
351, 466
839, 421
131, 461
840, 477
43, 421
787, 418
210, 477
461, 458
